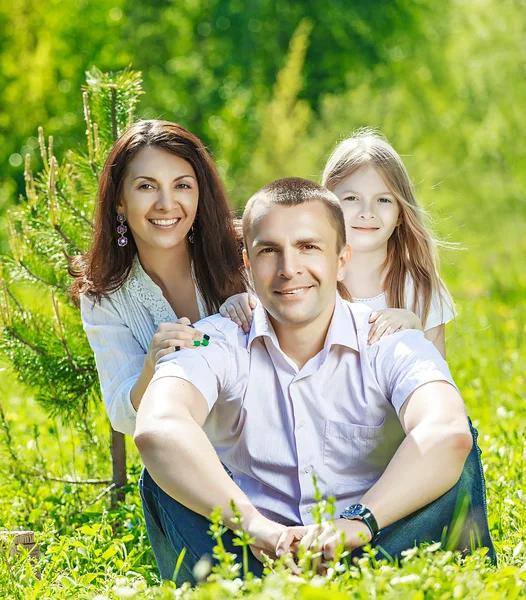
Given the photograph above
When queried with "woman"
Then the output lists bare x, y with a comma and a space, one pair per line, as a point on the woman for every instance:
164, 247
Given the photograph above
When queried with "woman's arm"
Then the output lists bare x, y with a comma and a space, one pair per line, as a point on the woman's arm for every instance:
125, 370
119, 358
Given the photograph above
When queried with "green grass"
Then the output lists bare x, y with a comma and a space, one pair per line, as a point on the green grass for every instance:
90, 551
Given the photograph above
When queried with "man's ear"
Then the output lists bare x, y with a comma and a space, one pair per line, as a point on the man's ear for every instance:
343, 260
246, 262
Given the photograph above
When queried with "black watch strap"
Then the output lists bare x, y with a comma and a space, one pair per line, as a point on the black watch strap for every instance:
362, 513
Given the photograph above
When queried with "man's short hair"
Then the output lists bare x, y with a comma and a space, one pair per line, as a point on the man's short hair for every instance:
291, 191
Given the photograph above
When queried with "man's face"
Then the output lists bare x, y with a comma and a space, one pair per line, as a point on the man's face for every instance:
294, 263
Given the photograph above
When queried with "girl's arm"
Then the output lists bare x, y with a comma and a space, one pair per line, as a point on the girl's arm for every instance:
388, 321
239, 308
437, 335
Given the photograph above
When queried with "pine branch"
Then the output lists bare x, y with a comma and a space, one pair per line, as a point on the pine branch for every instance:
59, 286
10, 331
9, 438
13, 298
58, 229
114, 129
62, 336
73, 209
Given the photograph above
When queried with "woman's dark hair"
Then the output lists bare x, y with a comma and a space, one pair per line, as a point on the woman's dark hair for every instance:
215, 251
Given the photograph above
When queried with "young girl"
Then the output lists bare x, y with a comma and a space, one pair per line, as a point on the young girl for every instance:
394, 264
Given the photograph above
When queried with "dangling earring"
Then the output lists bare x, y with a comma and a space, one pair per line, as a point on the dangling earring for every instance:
191, 235
121, 230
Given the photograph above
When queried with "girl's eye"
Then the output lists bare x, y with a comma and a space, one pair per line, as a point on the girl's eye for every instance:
351, 198
384, 200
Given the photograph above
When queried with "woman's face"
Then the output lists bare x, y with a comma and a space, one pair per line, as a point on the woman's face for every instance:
371, 211
159, 198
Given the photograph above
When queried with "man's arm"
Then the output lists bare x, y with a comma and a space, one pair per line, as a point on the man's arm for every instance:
183, 462
430, 460
426, 465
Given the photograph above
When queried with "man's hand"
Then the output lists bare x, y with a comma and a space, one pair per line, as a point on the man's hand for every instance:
266, 534
324, 538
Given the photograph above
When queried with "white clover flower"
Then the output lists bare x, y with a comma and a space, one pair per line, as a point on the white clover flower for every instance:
433, 547
409, 553
202, 568
405, 579
318, 581
232, 586
124, 592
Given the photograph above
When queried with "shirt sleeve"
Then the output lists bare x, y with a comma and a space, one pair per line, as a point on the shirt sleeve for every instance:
403, 362
217, 370
119, 358
441, 310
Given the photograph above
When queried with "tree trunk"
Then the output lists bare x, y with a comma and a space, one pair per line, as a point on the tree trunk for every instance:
118, 460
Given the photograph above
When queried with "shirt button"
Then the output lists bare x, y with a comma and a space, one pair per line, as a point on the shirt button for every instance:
309, 509
301, 423
307, 469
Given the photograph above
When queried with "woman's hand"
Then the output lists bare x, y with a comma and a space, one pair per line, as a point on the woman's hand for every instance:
171, 337
239, 309
390, 320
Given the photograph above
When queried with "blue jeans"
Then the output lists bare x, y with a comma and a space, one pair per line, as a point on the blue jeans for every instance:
460, 512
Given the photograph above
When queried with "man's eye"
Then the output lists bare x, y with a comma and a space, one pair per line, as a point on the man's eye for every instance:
310, 247
384, 200
268, 250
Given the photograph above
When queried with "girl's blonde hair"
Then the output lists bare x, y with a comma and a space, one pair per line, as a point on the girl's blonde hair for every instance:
411, 249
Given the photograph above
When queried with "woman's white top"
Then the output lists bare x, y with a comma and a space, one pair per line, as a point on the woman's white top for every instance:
119, 331
440, 312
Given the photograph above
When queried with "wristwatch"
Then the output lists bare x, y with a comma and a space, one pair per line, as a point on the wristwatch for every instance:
361, 513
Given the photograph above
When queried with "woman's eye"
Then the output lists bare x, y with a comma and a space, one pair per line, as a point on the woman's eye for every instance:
384, 200
145, 186
183, 186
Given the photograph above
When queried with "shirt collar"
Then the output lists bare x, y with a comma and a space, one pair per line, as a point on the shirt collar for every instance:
342, 330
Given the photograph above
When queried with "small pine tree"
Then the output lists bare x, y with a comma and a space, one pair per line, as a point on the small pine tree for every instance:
40, 329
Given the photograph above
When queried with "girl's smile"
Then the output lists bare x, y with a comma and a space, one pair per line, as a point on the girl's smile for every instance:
371, 210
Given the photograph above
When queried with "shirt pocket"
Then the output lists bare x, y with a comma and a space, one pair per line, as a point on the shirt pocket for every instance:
353, 452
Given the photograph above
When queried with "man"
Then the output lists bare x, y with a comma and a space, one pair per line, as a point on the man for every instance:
383, 427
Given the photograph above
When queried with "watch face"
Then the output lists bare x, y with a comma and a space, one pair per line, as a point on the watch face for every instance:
354, 509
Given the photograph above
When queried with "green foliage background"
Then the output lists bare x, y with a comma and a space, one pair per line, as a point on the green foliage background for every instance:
271, 87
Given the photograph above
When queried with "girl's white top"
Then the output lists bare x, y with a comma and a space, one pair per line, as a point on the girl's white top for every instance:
439, 312
119, 331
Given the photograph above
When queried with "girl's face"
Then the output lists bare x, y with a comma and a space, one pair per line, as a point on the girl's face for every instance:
159, 199
371, 211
